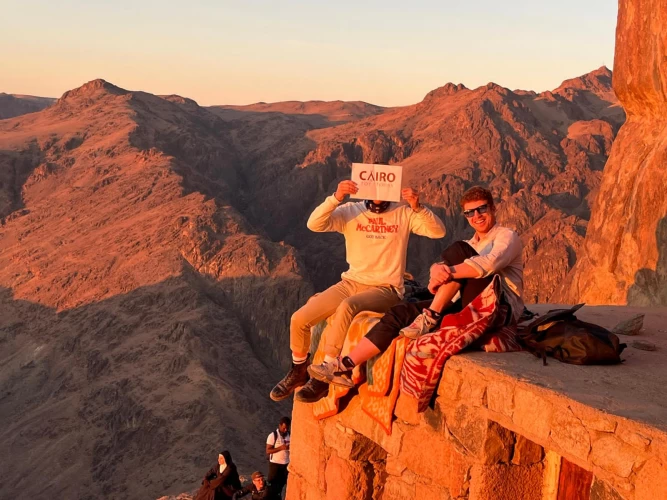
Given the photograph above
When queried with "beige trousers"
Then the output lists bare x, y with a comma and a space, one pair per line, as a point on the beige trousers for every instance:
346, 298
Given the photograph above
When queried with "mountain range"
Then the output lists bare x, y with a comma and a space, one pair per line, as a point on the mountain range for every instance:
152, 251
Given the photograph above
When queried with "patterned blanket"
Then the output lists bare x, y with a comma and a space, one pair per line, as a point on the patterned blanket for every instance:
414, 367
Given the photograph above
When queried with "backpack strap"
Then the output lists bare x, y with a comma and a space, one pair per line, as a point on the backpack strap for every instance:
538, 352
275, 439
552, 316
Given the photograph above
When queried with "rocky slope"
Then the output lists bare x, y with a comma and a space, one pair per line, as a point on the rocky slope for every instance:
625, 257
152, 251
15, 104
541, 154
140, 310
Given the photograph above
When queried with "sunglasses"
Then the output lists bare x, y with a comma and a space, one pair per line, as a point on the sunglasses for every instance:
482, 209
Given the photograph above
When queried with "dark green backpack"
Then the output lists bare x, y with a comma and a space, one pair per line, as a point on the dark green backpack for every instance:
560, 334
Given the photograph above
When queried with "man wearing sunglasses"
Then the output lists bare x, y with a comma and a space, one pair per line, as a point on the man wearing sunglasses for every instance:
465, 270
376, 244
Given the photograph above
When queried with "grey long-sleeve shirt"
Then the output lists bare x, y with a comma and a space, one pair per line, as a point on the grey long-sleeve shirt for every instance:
500, 253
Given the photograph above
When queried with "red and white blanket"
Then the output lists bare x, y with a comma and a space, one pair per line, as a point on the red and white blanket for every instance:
414, 367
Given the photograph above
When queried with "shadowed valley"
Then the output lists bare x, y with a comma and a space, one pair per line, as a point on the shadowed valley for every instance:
153, 250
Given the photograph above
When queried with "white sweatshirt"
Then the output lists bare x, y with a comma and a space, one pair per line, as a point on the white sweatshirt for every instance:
376, 245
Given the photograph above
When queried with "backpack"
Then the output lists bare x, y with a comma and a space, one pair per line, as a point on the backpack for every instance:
560, 334
269, 456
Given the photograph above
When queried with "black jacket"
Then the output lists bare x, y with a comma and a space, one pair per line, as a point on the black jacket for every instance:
256, 495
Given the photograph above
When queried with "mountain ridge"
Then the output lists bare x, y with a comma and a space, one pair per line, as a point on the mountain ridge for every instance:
155, 295
162, 248
12, 105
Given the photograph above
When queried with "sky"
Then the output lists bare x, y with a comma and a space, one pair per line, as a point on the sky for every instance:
219, 52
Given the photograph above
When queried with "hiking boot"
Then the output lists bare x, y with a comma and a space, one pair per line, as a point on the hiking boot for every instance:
332, 373
422, 324
296, 377
312, 392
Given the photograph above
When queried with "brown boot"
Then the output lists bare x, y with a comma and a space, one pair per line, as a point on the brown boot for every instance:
312, 392
296, 377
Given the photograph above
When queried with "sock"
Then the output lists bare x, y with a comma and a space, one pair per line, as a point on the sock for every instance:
434, 314
297, 360
329, 359
348, 363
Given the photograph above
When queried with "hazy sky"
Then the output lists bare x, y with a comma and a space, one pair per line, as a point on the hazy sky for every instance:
219, 52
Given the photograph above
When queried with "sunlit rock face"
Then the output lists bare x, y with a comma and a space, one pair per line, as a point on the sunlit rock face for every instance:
625, 258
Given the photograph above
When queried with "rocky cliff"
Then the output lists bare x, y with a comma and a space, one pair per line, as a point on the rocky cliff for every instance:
142, 314
541, 154
152, 251
625, 259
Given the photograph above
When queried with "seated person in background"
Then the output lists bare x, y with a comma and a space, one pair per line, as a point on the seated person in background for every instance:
376, 243
258, 488
222, 481
466, 269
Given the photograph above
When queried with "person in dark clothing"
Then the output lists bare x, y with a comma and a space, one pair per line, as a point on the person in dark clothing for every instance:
258, 488
222, 481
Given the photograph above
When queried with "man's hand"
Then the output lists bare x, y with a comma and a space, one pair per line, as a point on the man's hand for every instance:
440, 274
345, 188
412, 197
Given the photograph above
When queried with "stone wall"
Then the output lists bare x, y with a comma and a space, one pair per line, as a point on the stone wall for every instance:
489, 435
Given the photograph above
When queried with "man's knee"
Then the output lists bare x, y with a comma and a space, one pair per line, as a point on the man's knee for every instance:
303, 318
457, 252
349, 307
298, 319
